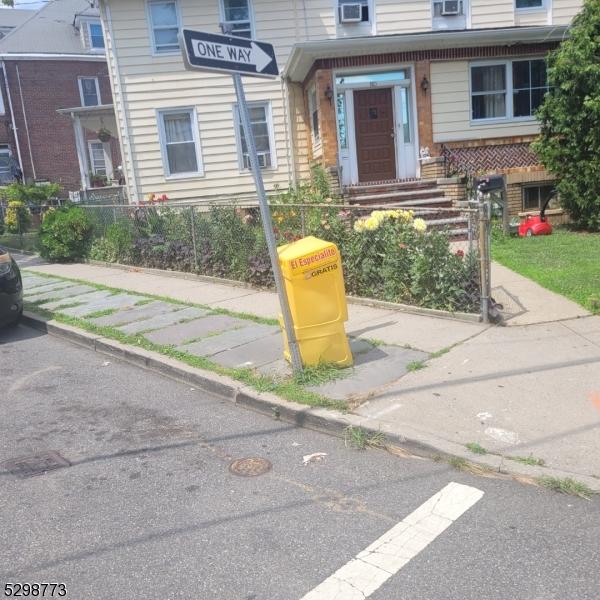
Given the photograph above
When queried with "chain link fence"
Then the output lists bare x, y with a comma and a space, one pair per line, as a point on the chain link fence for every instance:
422, 257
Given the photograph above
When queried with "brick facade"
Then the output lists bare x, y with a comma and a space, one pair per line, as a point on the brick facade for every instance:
49, 151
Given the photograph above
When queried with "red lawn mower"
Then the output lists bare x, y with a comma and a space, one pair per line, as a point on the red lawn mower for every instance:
537, 224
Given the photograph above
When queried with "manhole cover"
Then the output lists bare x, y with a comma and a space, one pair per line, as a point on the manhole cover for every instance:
250, 467
37, 464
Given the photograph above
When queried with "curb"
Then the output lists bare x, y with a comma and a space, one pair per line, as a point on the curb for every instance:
324, 420
407, 308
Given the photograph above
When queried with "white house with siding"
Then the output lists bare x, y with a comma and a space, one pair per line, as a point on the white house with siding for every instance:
368, 88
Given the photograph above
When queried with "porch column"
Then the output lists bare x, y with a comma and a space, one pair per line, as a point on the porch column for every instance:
82, 154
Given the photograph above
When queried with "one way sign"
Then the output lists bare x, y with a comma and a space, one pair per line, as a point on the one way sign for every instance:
228, 54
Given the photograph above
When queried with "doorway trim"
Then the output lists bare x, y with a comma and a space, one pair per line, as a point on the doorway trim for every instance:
347, 155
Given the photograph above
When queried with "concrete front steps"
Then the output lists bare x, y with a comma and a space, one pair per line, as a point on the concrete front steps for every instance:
420, 194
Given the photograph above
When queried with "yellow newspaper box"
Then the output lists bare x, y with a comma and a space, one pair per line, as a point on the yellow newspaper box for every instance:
312, 272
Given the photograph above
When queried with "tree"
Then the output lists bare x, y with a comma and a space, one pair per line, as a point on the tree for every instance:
569, 143
8, 2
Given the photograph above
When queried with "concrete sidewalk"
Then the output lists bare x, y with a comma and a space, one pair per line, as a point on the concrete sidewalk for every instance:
529, 391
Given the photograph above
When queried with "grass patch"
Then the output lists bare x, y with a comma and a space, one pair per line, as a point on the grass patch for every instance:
101, 313
289, 389
360, 439
565, 262
374, 342
528, 460
475, 448
317, 375
440, 353
567, 486
415, 365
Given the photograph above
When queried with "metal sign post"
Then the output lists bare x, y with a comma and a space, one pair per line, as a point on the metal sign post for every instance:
210, 52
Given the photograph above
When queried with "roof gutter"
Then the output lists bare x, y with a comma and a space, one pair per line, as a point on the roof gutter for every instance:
305, 53
51, 56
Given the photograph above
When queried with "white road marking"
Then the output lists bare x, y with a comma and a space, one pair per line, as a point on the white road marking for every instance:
372, 567
502, 435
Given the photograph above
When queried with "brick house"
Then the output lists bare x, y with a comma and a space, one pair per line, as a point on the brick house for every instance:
55, 61
369, 89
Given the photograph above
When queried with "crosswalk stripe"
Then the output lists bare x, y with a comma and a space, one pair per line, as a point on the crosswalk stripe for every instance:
372, 567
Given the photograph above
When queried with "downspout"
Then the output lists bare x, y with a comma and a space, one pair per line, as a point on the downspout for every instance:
25, 121
12, 117
124, 137
291, 162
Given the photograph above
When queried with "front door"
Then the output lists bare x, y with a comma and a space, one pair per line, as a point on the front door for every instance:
374, 126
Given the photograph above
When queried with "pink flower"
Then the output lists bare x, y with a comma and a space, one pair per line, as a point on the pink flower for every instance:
460, 253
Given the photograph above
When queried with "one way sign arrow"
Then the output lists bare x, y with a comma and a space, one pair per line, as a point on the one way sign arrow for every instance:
228, 54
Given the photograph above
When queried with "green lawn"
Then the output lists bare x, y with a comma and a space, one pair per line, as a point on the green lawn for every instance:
565, 262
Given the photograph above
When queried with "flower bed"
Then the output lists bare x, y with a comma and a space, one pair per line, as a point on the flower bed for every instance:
387, 255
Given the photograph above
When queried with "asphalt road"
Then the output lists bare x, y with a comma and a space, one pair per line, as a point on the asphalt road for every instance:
148, 508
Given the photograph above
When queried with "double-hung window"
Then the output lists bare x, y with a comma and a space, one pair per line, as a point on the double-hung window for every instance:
96, 35
180, 142
100, 159
164, 25
488, 91
313, 110
238, 15
262, 128
508, 90
89, 91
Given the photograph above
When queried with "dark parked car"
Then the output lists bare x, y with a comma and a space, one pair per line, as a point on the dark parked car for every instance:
11, 290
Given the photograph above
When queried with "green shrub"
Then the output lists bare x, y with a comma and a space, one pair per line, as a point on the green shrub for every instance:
17, 218
66, 234
37, 194
115, 246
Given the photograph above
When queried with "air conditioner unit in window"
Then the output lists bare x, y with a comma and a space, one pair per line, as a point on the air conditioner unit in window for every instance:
450, 8
351, 12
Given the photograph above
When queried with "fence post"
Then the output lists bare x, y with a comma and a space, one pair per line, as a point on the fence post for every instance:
193, 229
303, 220
485, 257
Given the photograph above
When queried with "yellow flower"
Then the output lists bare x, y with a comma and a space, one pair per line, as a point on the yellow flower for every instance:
371, 224
419, 225
359, 226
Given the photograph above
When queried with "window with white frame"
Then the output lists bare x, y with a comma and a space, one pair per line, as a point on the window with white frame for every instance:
313, 110
354, 11
96, 35
529, 4
180, 142
262, 128
89, 91
100, 161
535, 196
164, 25
238, 15
509, 89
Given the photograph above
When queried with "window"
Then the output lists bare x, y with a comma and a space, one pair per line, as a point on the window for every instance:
5, 170
179, 141
96, 35
508, 89
164, 25
365, 16
100, 161
89, 90
238, 14
488, 92
262, 128
534, 197
313, 109
529, 4
530, 84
